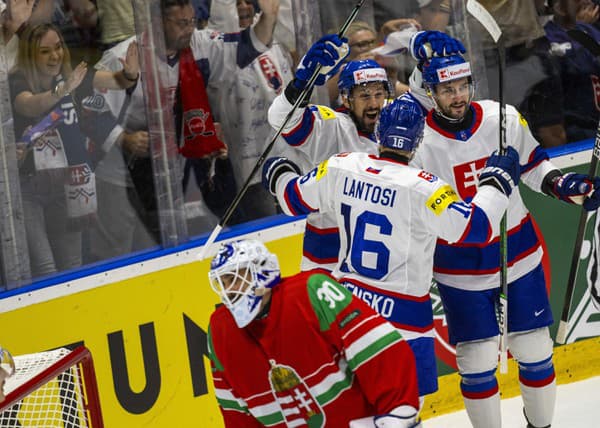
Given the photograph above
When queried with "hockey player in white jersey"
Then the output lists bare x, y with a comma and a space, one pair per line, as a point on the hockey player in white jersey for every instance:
459, 135
389, 216
316, 132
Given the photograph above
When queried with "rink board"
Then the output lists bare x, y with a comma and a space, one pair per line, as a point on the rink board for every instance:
145, 323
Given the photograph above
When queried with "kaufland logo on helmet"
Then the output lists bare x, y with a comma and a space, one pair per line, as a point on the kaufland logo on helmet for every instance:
369, 75
453, 72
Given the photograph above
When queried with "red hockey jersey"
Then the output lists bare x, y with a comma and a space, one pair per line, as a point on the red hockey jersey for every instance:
320, 358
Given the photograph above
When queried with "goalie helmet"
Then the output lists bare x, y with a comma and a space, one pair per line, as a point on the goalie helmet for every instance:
401, 124
240, 274
361, 72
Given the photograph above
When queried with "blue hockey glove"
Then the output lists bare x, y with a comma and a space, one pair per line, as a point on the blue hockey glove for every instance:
502, 172
272, 170
425, 44
329, 52
578, 189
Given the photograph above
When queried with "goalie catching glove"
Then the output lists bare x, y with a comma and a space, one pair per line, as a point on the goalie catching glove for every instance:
577, 189
328, 52
502, 171
272, 170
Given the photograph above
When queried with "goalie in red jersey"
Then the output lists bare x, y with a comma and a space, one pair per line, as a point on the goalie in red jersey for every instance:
302, 351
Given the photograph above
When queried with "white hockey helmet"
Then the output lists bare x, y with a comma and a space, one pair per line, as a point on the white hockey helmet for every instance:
240, 274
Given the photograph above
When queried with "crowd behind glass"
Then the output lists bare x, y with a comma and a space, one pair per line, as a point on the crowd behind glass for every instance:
71, 73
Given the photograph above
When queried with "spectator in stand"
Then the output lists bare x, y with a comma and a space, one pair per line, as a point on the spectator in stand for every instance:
533, 77
241, 109
76, 20
127, 218
57, 182
579, 70
14, 16
115, 22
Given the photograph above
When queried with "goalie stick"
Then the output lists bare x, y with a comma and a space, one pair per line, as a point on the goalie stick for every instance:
489, 23
593, 47
309, 86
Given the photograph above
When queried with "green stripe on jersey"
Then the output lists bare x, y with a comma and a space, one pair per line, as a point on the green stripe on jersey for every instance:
211, 351
328, 299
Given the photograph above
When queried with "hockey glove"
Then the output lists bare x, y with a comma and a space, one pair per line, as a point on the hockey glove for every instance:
272, 170
502, 172
328, 52
425, 44
577, 189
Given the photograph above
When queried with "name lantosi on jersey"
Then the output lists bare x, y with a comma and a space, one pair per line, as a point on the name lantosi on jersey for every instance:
369, 192
382, 304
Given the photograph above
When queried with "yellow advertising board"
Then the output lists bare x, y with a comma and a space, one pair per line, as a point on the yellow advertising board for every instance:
147, 335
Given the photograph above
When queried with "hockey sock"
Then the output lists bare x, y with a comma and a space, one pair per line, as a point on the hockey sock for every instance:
538, 388
482, 399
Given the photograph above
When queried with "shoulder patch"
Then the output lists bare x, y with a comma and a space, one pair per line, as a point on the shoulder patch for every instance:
328, 299
523, 121
427, 176
441, 199
322, 170
325, 112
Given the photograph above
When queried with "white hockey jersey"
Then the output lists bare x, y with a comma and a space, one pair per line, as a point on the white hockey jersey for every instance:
458, 159
242, 107
218, 57
390, 215
313, 134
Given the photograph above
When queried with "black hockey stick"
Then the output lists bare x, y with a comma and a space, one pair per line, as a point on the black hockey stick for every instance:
593, 47
489, 23
307, 89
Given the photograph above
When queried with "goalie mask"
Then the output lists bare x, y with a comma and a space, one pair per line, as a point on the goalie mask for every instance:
401, 125
440, 70
240, 274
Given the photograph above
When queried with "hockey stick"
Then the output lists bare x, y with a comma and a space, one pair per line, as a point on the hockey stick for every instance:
308, 88
593, 47
489, 23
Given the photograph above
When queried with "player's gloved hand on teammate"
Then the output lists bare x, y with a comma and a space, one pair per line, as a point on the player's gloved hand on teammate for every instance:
578, 189
328, 52
272, 170
425, 44
502, 171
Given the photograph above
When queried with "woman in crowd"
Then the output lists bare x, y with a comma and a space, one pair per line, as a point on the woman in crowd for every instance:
49, 100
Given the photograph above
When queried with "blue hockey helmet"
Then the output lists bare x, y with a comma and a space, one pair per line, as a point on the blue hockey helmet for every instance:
361, 72
240, 274
440, 69
401, 124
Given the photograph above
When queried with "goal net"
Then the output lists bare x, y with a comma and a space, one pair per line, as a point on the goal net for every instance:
52, 389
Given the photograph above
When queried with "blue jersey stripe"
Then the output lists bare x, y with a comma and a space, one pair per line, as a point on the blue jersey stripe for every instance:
459, 259
409, 313
479, 229
321, 246
298, 135
294, 200
537, 157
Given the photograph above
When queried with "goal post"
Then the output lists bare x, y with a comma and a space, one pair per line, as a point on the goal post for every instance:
50, 389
